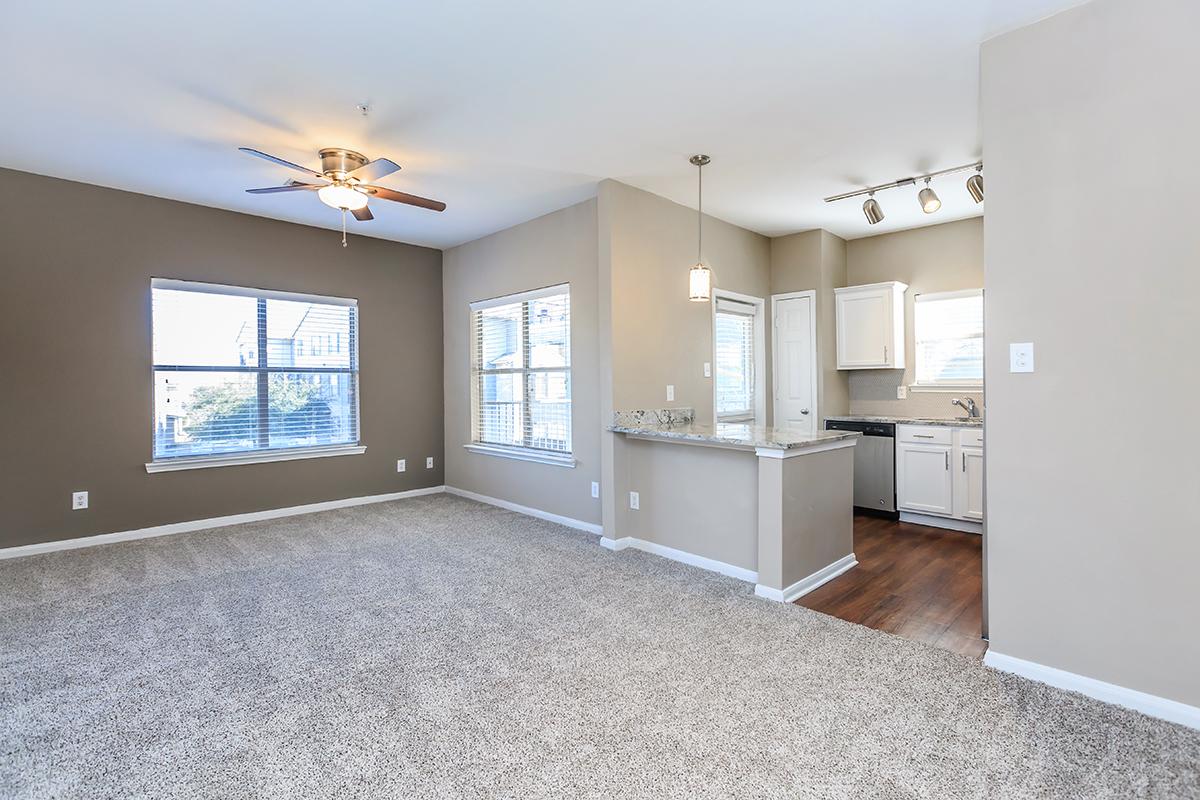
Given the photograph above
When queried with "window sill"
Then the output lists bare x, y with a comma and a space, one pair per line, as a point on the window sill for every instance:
235, 459
565, 460
962, 388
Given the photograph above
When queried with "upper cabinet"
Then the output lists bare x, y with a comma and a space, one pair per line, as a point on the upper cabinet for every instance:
870, 326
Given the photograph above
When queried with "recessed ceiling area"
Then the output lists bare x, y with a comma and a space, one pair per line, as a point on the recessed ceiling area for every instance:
509, 111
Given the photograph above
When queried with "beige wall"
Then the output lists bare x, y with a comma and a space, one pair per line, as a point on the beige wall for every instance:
937, 258
816, 260
76, 354
658, 336
558, 248
1092, 249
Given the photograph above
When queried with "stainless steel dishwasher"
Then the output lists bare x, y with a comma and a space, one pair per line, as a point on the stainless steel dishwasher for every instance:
874, 464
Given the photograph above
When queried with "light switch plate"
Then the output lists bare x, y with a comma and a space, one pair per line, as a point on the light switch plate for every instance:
400, 465
901, 392
707, 369
595, 489
670, 392
1020, 357
79, 501
634, 501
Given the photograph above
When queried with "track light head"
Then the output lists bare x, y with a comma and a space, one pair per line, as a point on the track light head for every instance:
929, 199
975, 187
872, 210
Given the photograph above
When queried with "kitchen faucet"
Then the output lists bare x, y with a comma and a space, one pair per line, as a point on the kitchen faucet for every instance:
968, 405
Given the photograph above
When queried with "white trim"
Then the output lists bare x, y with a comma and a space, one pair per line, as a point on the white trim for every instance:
934, 521
924, 297
522, 454
838, 444
246, 291
760, 344
519, 297
682, 556
962, 388
577, 524
805, 585
212, 522
815, 407
1149, 704
257, 457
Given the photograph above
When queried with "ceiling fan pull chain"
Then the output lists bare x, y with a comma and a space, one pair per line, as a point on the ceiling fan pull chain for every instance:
343, 227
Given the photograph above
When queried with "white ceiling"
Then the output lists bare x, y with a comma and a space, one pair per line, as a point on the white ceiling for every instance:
509, 110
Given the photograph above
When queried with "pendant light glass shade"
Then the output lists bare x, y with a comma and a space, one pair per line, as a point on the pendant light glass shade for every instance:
929, 199
699, 284
873, 211
975, 187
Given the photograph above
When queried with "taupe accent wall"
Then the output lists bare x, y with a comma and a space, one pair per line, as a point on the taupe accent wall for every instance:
1092, 253
75, 352
557, 248
937, 258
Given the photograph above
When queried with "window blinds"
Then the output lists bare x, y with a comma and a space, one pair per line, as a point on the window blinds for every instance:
241, 370
948, 328
734, 346
521, 370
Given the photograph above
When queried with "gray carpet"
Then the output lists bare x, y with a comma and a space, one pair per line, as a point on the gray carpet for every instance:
436, 647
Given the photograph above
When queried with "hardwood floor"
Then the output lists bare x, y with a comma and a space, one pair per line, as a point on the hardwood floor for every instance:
911, 580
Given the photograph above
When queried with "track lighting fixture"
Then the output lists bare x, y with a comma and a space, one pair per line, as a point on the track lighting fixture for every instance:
928, 198
975, 185
872, 210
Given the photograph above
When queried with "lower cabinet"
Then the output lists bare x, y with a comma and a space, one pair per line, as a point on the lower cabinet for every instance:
939, 471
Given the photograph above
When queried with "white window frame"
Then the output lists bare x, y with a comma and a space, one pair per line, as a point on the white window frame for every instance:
266, 454
760, 372
519, 453
915, 386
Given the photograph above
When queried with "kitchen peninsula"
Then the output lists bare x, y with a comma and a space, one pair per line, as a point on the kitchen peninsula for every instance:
768, 505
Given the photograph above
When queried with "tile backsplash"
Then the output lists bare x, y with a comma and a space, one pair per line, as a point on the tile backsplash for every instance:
873, 391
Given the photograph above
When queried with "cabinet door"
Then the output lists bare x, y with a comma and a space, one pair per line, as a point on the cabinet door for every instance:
864, 323
924, 478
968, 483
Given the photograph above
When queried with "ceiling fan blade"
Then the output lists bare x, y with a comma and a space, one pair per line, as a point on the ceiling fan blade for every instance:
280, 161
404, 197
362, 214
374, 170
294, 186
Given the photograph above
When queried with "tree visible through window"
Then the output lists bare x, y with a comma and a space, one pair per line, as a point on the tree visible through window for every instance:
521, 371
949, 338
242, 370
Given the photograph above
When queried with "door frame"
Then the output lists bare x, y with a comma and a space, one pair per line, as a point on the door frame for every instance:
760, 378
811, 294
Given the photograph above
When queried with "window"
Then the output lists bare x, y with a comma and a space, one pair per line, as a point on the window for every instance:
737, 338
248, 371
949, 338
521, 375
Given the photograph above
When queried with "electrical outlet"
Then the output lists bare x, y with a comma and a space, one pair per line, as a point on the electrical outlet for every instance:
595, 489
429, 463
634, 501
79, 501
901, 392
707, 369
670, 392
401, 465
1020, 357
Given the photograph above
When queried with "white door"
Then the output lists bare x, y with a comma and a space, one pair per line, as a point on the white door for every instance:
968, 484
795, 362
923, 478
863, 328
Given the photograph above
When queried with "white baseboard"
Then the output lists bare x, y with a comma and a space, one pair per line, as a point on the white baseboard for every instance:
805, 585
577, 524
934, 521
682, 556
212, 522
1149, 704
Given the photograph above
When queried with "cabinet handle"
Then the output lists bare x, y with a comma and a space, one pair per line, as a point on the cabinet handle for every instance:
947, 459
964, 455
922, 435
885, 353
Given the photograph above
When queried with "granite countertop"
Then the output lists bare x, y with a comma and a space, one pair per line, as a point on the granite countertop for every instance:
730, 434
952, 422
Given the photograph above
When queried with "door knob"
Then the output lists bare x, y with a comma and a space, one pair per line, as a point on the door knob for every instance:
804, 411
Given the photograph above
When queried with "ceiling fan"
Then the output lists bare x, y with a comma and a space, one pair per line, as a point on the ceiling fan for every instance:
347, 186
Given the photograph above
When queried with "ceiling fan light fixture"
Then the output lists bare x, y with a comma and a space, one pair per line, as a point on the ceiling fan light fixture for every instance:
342, 196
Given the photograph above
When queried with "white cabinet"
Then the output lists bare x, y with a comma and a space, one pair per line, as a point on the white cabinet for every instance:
939, 472
870, 326
924, 482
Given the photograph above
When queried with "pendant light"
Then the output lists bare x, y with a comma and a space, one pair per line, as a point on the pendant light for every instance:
975, 185
699, 276
929, 199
